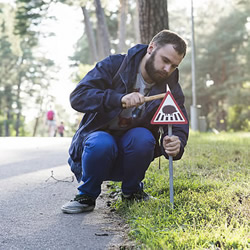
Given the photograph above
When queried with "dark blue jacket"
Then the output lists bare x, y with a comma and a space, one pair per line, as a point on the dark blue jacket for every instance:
99, 98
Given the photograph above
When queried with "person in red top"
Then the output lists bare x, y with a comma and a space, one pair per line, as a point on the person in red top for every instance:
51, 122
60, 129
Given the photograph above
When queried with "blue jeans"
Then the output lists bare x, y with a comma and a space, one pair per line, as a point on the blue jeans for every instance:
125, 158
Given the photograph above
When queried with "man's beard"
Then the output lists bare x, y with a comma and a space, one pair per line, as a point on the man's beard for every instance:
157, 76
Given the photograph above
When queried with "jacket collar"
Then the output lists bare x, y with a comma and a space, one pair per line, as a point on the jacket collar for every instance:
134, 57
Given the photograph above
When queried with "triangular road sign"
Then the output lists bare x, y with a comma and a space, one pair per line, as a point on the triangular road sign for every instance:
169, 112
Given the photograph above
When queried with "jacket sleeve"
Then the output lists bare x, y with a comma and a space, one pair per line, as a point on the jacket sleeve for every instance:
95, 93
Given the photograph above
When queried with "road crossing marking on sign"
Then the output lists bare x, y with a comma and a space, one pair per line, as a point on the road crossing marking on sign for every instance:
169, 112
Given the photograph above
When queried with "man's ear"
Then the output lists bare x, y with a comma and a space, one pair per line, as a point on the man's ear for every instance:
151, 46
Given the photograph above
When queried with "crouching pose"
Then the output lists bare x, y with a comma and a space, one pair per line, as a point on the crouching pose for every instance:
115, 140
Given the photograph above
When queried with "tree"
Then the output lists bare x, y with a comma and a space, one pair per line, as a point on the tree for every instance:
21, 70
222, 58
122, 26
90, 35
221, 55
8, 60
30, 68
153, 17
102, 31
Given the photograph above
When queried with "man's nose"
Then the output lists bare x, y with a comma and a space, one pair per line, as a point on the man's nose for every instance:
167, 67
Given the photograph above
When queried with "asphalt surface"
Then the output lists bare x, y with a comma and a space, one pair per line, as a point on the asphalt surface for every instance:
35, 181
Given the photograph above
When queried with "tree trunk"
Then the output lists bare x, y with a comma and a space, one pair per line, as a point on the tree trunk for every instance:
35, 126
17, 123
101, 53
136, 24
153, 17
6, 123
19, 107
90, 35
122, 26
103, 29
1, 130
7, 109
1, 113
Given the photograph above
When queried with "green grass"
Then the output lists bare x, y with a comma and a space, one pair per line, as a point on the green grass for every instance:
211, 197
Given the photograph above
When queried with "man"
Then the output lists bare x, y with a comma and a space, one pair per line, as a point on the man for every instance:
115, 140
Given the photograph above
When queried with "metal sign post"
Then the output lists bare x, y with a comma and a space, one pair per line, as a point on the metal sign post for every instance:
169, 113
171, 172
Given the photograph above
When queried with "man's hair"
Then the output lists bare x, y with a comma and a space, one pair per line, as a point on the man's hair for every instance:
169, 37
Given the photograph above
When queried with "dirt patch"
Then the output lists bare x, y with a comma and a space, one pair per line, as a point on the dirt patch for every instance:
113, 223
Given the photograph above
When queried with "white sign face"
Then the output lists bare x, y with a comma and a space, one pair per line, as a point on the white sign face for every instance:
169, 112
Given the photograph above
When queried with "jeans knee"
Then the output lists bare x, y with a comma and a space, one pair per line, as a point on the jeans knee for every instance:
140, 140
100, 143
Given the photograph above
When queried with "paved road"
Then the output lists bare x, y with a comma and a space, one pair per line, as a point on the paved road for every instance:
30, 200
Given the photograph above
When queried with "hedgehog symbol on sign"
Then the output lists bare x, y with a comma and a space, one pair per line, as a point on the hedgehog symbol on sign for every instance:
169, 109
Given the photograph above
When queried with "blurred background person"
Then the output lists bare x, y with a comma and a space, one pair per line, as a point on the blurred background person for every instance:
51, 123
60, 129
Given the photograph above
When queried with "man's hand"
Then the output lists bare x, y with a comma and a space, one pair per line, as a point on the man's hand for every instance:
172, 145
133, 99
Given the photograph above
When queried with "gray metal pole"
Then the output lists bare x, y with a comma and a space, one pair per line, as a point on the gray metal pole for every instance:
171, 181
194, 118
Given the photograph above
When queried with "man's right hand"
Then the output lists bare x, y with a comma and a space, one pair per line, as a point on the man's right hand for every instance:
133, 99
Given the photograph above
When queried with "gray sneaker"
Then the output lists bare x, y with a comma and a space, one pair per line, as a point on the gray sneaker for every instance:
81, 203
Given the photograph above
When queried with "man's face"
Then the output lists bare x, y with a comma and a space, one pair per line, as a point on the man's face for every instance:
162, 62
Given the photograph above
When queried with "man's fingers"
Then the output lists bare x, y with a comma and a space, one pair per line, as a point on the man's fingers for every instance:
172, 151
170, 141
171, 145
134, 99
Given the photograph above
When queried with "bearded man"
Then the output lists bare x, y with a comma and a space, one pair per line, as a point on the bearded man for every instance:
115, 139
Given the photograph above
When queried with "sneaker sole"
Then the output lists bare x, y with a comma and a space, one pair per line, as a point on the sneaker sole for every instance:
77, 211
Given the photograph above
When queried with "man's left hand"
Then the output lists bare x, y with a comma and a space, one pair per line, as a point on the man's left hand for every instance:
172, 145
